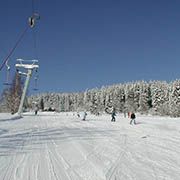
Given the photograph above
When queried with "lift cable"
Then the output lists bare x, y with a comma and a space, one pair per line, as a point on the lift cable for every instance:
32, 20
13, 49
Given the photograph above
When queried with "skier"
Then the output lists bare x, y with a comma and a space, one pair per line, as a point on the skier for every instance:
133, 117
129, 114
78, 115
84, 116
113, 116
36, 109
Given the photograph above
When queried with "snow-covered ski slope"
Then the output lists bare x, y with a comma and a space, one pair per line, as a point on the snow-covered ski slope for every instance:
60, 146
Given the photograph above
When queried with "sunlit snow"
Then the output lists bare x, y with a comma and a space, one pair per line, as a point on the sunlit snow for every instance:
60, 146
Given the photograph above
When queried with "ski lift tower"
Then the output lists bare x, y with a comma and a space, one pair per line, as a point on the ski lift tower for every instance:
28, 65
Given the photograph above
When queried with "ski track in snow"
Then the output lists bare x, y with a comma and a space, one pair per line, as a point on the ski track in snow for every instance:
60, 146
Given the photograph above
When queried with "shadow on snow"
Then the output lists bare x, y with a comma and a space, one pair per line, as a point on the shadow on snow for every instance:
33, 138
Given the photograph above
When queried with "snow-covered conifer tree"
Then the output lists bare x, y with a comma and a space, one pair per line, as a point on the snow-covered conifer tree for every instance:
145, 98
175, 99
108, 100
129, 97
137, 90
160, 97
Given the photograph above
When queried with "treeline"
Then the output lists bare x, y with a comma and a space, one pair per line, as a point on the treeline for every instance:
155, 97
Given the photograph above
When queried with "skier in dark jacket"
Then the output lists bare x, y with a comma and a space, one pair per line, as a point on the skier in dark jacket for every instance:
36, 109
84, 116
113, 116
133, 117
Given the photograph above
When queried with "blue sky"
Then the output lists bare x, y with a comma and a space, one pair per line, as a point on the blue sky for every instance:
85, 44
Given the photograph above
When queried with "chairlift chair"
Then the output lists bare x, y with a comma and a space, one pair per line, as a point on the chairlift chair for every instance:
35, 83
7, 83
36, 80
32, 19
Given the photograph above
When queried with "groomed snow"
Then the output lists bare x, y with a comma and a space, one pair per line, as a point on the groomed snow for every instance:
60, 146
